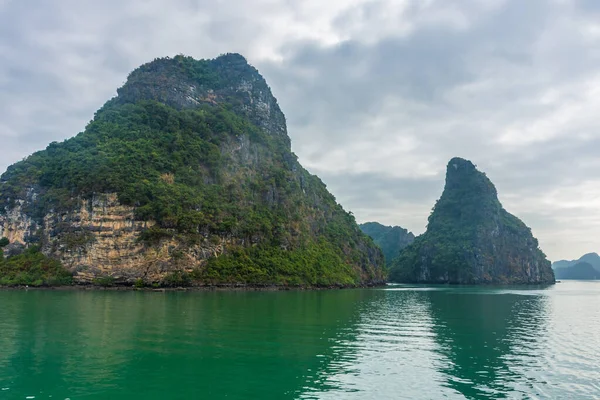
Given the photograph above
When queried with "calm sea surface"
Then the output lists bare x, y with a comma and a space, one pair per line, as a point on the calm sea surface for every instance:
397, 343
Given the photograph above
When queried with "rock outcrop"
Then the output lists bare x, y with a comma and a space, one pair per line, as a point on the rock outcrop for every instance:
187, 173
472, 239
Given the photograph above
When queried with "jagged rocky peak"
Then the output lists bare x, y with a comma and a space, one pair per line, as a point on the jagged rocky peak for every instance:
184, 82
471, 238
463, 174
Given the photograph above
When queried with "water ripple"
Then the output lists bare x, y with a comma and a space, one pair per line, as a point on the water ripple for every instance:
402, 343
444, 343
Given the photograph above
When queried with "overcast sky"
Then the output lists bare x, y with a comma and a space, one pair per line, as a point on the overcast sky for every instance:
378, 94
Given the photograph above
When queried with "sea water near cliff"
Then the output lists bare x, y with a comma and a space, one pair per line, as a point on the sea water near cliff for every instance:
412, 342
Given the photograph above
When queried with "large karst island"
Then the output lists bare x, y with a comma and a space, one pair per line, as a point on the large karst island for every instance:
185, 177
472, 239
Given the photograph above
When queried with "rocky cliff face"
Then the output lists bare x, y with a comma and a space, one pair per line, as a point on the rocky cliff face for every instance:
471, 239
187, 172
391, 239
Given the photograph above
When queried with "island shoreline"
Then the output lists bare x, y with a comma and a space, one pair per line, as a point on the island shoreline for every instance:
199, 288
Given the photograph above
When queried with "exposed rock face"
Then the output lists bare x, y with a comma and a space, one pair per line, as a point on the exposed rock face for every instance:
101, 237
187, 170
471, 239
391, 239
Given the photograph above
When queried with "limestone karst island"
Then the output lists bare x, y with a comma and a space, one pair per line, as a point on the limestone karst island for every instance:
472, 239
187, 178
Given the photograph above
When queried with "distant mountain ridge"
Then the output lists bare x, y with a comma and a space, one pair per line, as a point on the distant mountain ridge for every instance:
391, 239
586, 267
581, 271
591, 258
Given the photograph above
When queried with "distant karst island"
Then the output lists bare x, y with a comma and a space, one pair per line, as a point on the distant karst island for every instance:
187, 178
391, 239
585, 268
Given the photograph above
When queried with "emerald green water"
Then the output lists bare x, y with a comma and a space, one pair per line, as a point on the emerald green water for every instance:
394, 343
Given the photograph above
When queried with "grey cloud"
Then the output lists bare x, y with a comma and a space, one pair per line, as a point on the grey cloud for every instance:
588, 5
369, 188
397, 201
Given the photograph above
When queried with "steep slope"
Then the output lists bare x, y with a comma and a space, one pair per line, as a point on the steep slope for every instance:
581, 270
591, 258
391, 239
185, 177
471, 239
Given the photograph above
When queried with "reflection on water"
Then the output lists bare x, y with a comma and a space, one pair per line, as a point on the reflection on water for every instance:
402, 342
483, 336
390, 355
474, 343
170, 345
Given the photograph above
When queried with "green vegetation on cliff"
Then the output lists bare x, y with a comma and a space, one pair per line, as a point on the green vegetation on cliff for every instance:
165, 162
311, 265
471, 238
391, 239
32, 268
201, 149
